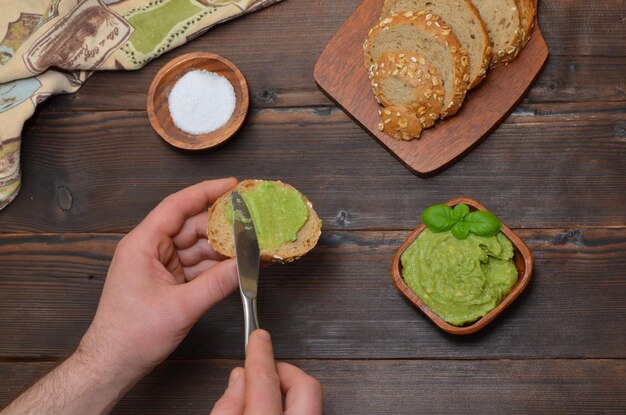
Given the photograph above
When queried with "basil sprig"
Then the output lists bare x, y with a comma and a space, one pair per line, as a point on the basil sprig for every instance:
460, 221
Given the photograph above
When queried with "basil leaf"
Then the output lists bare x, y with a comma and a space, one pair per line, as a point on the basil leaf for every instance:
460, 211
460, 230
438, 218
483, 223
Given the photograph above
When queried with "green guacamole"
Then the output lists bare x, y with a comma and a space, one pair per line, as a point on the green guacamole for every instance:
460, 280
278, 214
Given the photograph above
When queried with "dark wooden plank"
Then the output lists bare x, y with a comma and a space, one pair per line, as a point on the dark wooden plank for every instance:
564, 79
279, 68
337, 302
552, 165
584, 28
579, 79
386, 387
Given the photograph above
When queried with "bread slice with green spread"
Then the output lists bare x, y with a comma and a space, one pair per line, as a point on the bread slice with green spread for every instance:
287, 227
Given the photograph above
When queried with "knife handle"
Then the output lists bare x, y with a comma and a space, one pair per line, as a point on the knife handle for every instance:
250, 316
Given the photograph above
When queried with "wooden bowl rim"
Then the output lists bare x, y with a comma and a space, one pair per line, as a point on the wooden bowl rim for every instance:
207, 140
522, 279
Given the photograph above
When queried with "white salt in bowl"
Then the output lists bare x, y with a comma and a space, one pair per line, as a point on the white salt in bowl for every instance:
158, 105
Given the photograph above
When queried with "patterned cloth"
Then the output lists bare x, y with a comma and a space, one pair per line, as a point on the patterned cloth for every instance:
77, 37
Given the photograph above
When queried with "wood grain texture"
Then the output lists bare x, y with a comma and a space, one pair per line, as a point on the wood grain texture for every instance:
341, 74
563, 79
329, 305
554, 171
550, 164
385, 387
578, 32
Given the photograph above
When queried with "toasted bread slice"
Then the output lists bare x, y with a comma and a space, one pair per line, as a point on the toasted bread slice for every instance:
220, 228
504, 23
406, 83
430, 37
466, 23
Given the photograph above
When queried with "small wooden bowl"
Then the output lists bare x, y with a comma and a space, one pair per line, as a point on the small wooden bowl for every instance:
523, 262
164, 81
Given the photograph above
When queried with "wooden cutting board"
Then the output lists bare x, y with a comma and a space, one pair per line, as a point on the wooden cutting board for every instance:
341, 74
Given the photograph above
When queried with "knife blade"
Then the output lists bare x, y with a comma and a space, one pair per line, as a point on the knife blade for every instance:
248, 260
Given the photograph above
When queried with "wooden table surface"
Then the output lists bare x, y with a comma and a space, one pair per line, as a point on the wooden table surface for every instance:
555, 171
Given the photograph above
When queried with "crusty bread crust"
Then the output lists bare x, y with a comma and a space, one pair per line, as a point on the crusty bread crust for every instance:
437, 29
527, 14
415, 99
221, 237
505, 49
476, 39
400, 123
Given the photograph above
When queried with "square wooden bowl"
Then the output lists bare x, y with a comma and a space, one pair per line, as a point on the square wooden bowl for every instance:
523, 259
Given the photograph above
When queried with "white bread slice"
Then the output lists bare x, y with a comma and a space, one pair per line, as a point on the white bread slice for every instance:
504, 24
430, 37
220, 229
466, 24
410, 90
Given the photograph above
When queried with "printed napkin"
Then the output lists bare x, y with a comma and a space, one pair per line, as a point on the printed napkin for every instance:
50, 47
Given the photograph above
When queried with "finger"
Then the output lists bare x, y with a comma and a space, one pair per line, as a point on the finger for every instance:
200, 251
170, 215
208, 288
192, 272
303, 393
231, 403
263, 395
193, 230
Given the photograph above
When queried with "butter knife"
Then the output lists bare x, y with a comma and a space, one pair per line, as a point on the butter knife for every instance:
248, 259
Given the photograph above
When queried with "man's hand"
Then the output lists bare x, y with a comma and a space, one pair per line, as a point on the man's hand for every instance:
163, 277
258, 390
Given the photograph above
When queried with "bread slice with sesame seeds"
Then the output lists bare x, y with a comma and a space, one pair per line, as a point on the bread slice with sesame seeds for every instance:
504, 24
466, 24
430, 37
410, 90
221, 235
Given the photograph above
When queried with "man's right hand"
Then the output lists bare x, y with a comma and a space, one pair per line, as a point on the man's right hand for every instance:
259, 388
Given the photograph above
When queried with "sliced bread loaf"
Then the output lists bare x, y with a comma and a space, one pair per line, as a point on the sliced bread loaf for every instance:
430, 37
411, 85
466, 24
220, 226
504, 24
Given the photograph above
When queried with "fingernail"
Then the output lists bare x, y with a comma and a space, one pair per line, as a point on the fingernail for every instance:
264, 335
234, 377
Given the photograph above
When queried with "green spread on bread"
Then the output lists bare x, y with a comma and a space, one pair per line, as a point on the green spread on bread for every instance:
278, 213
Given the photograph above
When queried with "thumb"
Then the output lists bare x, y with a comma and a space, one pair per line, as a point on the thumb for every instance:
210, 287
232, 402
